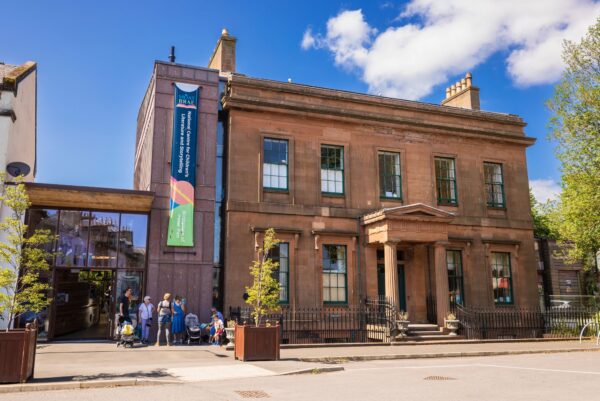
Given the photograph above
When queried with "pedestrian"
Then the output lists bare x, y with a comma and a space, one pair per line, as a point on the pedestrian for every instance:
145, 312
218, 330
165, 316
211, 324
124, 302
178, 320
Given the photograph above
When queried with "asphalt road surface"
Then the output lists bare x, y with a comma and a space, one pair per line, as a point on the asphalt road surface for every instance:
568, 376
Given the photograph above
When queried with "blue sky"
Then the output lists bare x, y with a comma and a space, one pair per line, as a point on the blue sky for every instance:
95, 61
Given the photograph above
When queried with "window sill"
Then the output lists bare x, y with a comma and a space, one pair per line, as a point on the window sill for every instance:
504, 305
387, 198
335, 304
333, 195
276, 190
496, 207
448, 204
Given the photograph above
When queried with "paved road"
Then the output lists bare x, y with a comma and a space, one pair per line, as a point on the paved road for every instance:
571, 376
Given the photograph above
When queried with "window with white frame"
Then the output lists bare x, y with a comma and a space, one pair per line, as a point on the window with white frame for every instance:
335, 278
332, 169
275, 165
502, 278
494, 184
445, 175
390, 181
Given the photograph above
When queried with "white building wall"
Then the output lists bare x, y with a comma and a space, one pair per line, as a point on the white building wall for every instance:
18, 138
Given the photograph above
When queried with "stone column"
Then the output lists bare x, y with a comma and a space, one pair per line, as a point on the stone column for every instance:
441, 283
391, 274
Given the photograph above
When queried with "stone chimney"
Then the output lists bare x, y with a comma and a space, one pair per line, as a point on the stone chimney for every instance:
463, 94
223, 57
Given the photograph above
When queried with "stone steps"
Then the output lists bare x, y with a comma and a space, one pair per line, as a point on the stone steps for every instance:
423, 332
443, 337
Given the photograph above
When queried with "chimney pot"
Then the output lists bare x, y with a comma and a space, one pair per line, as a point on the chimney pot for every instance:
224, 32
172, 55
463, 94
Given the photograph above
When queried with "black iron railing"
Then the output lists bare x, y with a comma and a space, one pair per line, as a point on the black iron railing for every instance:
515, 323
373, 320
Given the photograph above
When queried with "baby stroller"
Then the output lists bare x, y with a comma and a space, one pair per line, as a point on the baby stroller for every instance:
193, 329
126, 334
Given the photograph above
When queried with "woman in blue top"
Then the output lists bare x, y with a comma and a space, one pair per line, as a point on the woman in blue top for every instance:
178, 320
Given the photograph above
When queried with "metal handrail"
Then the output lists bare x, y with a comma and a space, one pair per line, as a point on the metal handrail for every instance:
597, 332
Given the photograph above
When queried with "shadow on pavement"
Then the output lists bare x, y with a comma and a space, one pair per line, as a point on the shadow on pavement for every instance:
153, 374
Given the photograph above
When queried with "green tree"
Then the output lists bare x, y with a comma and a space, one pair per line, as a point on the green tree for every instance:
576, 128
544, 216
263, 295
23, 257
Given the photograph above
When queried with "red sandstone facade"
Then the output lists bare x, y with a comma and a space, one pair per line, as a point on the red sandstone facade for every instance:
424, 204
360, 218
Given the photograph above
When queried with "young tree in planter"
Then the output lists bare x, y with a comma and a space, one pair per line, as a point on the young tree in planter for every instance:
263, 295
23, 257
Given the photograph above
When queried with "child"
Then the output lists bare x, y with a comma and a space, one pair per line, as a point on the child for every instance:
218, 326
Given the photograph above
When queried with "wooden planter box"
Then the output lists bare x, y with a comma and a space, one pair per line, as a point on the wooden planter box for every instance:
254, 343
17, 354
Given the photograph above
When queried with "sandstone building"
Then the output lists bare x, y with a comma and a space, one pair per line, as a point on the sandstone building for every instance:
423, 204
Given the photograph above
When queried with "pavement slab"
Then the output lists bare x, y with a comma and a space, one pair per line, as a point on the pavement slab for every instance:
218, 372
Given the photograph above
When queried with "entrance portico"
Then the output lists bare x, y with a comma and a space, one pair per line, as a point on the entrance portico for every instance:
414, 226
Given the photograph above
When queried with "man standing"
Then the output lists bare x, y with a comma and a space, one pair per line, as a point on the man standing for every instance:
124, 306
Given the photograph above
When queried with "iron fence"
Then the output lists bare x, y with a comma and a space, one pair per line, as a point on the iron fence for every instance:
515, 323
373, 320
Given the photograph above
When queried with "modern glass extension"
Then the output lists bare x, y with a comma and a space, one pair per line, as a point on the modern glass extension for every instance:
97, 256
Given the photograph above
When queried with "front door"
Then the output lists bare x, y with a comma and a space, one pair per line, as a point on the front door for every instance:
401, 284
401, 288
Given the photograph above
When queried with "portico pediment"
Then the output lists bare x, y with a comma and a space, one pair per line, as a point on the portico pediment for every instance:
415, 211
411, 223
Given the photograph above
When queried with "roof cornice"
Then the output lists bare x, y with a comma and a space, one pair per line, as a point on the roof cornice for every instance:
361, 98
285, 106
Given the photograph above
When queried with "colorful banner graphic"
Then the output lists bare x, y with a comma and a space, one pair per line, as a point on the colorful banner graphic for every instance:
183, 165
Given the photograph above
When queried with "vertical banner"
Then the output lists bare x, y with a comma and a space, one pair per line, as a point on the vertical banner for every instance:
183, 165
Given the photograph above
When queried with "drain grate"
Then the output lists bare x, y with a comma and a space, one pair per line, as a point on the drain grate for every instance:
252, 394
439, 378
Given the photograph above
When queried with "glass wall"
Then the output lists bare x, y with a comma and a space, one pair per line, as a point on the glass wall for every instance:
132, 241
94, 239
98, 255
73, 230
43, 219
104, 233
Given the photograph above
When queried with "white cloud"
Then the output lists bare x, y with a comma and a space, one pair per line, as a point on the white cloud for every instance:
545, 189
452, 37
308, 40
